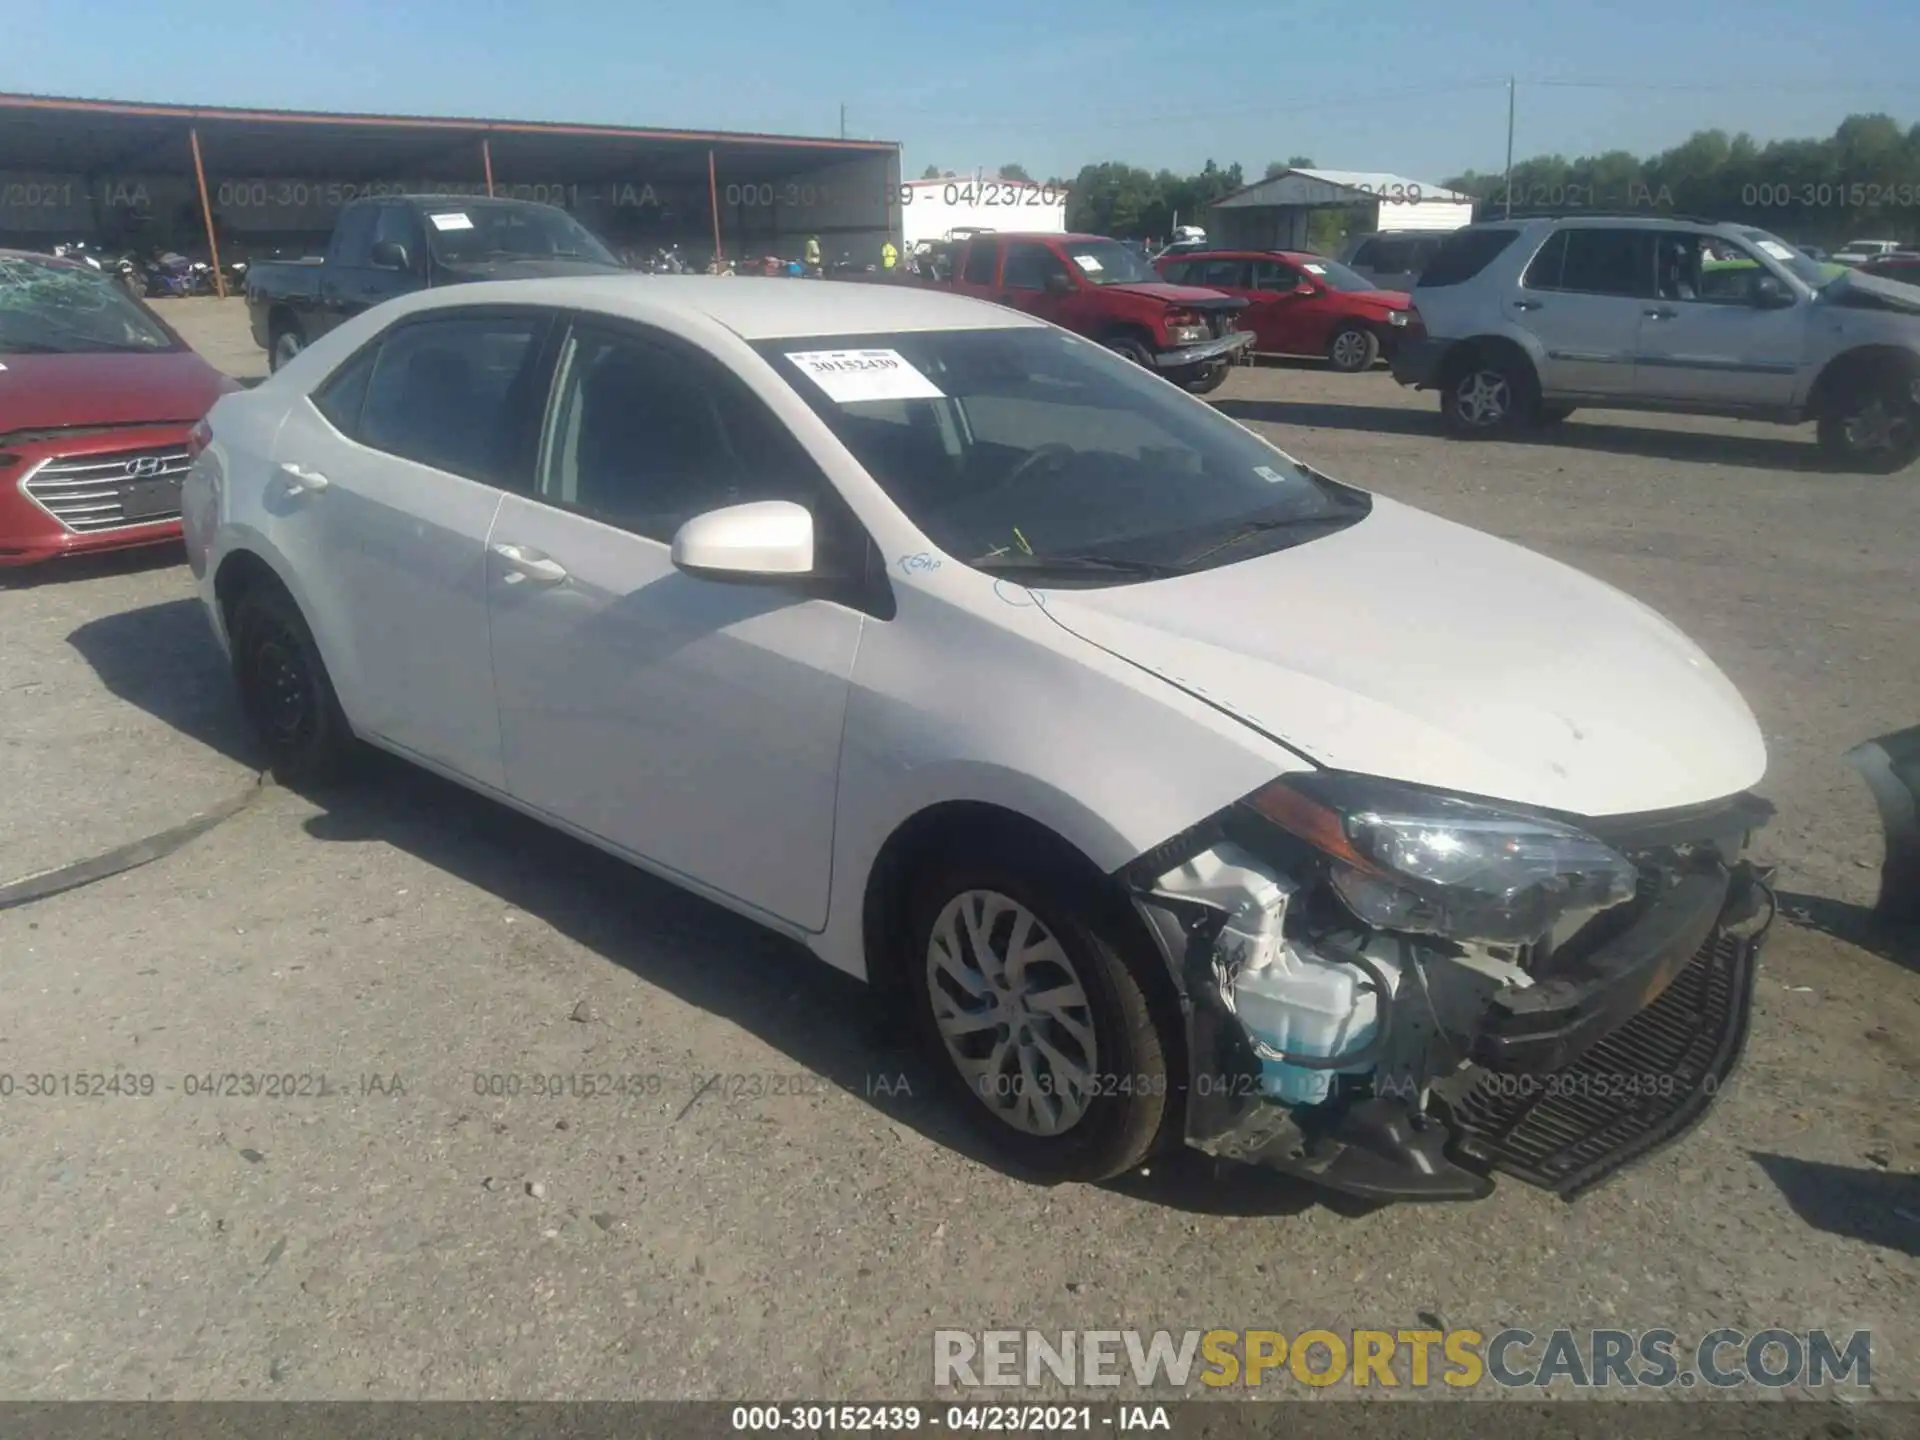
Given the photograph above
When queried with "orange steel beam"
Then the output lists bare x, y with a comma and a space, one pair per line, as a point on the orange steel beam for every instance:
206, 214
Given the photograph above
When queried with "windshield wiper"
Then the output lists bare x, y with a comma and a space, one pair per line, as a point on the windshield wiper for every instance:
1076, 565
1261, 527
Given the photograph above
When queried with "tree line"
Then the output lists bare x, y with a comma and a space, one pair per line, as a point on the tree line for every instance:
1863, 182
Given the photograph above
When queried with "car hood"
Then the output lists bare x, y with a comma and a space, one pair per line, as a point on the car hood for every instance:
1377, 299
50, 392
1191, 296
1858, 290
1412, 648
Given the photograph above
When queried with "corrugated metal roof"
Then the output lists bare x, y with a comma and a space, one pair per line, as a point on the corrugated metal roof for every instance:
1362, 184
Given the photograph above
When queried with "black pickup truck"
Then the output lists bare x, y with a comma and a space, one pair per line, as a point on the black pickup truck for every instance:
393, 245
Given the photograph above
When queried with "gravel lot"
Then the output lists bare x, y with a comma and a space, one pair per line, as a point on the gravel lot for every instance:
405, 1237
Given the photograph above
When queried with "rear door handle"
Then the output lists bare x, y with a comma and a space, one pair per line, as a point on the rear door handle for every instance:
298, 480
1663, 313
524, 565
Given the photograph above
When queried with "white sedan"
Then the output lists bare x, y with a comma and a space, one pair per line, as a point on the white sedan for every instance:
1177, 791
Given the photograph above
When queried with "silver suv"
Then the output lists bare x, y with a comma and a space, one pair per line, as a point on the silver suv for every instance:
1518, 321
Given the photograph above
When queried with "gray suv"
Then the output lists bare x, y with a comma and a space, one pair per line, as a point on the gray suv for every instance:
1518, 321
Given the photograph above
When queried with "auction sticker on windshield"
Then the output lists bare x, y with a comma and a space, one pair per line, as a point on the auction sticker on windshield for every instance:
1313, 269
1088, 263
455, 221
1776, 249
850, 376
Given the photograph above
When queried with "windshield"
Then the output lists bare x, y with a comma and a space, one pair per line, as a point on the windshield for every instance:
1030, 451
1108, 262
1805, 269
48, 307
1335, 276
463, 236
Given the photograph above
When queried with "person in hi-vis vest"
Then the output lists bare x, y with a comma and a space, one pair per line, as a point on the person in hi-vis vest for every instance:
889, 257
812, 255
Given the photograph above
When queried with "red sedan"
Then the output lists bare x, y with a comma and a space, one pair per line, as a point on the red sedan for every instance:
1301, 304
97, 395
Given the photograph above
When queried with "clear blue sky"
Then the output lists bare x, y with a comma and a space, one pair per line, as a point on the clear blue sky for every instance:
1410, 86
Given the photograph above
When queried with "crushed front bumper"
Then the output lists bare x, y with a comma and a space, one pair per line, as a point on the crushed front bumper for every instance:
1227, 347
1611, 1054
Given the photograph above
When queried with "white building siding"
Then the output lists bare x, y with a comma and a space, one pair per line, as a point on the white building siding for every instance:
931, 208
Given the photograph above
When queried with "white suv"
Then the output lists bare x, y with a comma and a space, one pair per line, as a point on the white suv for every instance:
1519, 321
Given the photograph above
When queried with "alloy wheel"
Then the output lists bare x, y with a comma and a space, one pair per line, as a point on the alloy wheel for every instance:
1013, 1012
1483, 398
1349, 349
1878, 428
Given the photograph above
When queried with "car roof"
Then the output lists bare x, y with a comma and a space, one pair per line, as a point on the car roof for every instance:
752, 307
1235, 251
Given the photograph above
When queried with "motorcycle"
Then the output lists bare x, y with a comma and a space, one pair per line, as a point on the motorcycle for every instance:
174, 275
77, 251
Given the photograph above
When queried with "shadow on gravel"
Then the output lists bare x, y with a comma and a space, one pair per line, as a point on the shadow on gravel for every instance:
1693, 447
163, 659
92, 567
1855, 924
1874, 1206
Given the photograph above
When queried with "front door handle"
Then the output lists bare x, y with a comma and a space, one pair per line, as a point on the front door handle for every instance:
1529, 305
524, 565
298, 480
1663, 313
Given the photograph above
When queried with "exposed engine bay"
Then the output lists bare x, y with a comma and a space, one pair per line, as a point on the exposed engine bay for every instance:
1395, 992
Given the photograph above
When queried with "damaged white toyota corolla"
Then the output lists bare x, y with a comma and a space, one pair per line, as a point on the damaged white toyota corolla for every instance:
1182, 792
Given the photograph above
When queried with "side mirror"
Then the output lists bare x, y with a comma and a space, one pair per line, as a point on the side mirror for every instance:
389, 255
1059, 283
762, 540
1770, 293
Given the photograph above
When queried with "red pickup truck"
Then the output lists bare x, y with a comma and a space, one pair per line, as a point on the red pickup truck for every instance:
1103, 290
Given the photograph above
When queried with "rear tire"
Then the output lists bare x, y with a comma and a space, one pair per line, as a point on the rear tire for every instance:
1353, 349
285, 690
1487, 395
1873, 428
990, 936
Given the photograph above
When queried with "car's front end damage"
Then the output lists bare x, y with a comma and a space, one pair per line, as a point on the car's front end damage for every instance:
1396, 992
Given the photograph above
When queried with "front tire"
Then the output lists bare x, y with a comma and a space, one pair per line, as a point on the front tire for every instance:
287, 343
1487, 395
1353, 349
1874, 428
1129, 348
1208, 380
1031, 997
286, 692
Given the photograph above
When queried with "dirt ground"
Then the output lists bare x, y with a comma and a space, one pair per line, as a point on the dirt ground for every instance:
801, 1231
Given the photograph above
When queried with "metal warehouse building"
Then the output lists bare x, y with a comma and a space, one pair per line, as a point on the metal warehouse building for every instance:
256, 183
1274, 213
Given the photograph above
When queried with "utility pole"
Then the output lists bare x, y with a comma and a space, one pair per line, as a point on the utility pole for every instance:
843, 122
1510, 89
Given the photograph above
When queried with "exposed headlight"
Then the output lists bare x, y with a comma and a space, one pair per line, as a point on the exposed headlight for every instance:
1396, 317
1186, 334
1407, 860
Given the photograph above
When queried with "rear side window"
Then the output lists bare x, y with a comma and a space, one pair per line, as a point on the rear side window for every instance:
456, 394
1388, 256
1463, 255
980, 258
340, 399
1593, 261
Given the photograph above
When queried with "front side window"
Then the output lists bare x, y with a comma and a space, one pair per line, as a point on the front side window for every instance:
646, 434
353, 235
1275, 276
398, 225
1027, 451
455, 394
